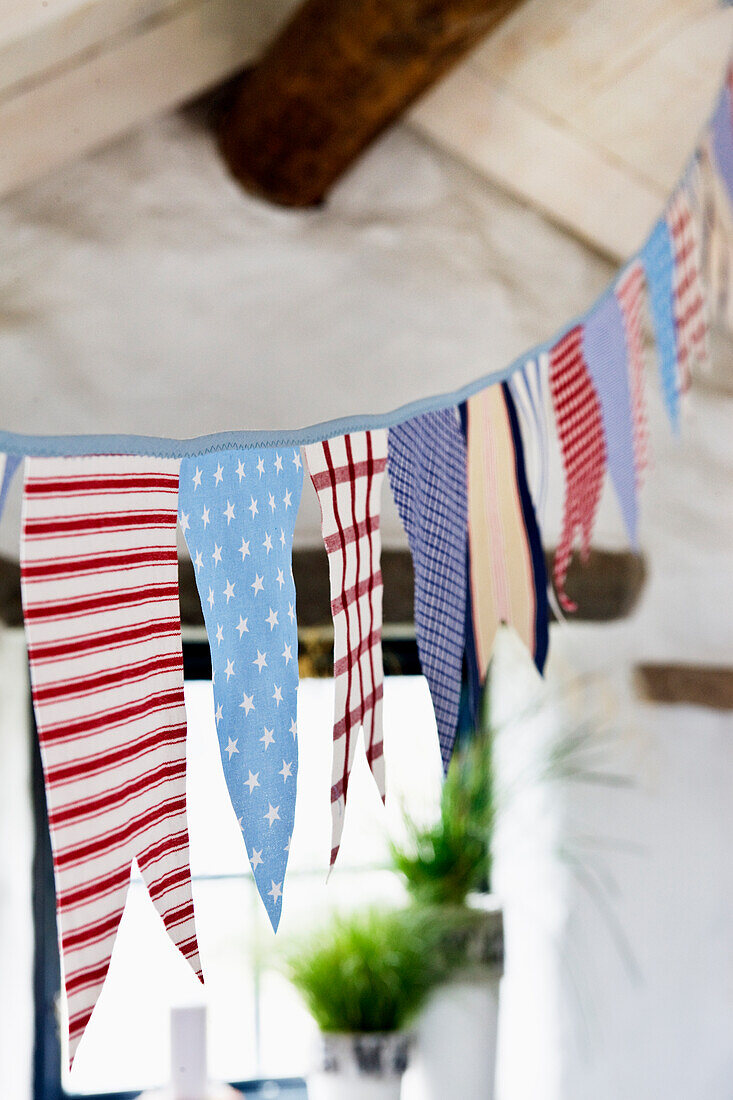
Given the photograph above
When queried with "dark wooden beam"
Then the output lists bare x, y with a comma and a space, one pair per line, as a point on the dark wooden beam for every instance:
607, 588
335, 77
695, 685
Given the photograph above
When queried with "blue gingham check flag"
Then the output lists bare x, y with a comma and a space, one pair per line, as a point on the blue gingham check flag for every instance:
426, 464
237, 511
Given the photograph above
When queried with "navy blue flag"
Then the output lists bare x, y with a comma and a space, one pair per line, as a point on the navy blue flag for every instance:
426, 464
237, 511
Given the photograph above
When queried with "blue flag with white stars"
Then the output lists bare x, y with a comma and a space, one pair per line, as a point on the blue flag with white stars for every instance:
237, 511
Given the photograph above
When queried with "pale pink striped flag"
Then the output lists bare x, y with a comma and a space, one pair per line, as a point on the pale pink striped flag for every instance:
688, 294
630, 294
347, 473
100, 599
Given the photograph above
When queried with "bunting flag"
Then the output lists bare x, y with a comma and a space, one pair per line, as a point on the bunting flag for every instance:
606, 356
721, 136
583, 447
527, 388
630, 294
347, 473
508, 583
8, 465
427, 473
714, 220
658, 261
687, 292
237, 512
99, 577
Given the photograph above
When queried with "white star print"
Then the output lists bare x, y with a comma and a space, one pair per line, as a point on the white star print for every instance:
287, 846
199, 561
277, 695
276, 892
296, 460
257, 584
211, 597
229, 670
288, 500
244, 548
286, 771
229, 512
293, 727
260, 465
256, 859
288, 654
240, 471
232, 748
279, 463
282, 537
197, 479
229, 590
268, 544
272, 814
219, 475
272, 619
253, 781
271, 502
242, 626
247, 704
253, 507
216, 555
185, 525
205, 517
291, 613
218, 716
267, 738
219, 633
260, 660
280, 578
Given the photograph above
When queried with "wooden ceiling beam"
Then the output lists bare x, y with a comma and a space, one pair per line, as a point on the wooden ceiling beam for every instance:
334, 78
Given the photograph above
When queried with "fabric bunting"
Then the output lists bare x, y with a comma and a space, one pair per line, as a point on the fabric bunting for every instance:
237, 512
721, 136
527, 386
688, 296
606, 356
583, 447
658, 260
8, 465
100, 597
508, 583
347, 474
427, 473
630, 293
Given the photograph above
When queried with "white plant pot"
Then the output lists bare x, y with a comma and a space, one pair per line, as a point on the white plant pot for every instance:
455, 1042
360, 1067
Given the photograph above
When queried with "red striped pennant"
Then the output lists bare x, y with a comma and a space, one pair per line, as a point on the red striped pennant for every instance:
630, 294
347, 474
100, 600
688, 298
583, 445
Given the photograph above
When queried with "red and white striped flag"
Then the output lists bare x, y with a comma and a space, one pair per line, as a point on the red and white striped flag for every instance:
688, 295
347, 474
630, 294
100, 599
583, 445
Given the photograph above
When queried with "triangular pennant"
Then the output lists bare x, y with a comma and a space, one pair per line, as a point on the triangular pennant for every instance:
427, 472
527, 388
8, 465
657, 257
606, 356
347, 474
508, 583
237, 511
630, 294
687, 290
100, 597
721, 134
583, 446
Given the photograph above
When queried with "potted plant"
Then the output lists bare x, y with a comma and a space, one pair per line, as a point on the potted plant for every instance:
364, 977
446, 867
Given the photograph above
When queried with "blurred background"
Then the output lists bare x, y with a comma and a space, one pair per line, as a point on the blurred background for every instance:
145, 287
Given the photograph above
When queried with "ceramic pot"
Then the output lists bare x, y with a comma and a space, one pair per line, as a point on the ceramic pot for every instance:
360, 1067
